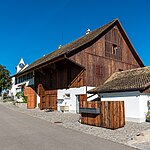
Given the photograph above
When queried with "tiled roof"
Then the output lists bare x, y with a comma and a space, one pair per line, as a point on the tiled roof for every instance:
129, 80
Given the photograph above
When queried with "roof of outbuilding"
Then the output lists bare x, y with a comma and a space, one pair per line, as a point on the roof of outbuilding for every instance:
66, 49
129, 80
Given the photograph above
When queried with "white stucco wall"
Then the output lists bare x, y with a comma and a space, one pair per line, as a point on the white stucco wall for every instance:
72, 101
17, 87
143, 106
38, 100
135, 104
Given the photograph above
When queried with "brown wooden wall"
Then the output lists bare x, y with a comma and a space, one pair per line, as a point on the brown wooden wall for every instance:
60, 75
99, 64
111, 114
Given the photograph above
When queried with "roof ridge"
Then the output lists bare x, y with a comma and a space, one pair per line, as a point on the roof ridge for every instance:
140, 68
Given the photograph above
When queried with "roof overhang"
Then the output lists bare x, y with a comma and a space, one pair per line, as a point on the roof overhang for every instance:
64, 58
38, 67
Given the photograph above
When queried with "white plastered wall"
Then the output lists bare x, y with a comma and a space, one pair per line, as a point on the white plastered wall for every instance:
38, 100
72, 101
135, 104
17, 87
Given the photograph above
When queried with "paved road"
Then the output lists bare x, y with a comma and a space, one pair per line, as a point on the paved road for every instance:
22, 132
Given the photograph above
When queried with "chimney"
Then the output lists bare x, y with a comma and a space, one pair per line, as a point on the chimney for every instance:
59, 46
88, 31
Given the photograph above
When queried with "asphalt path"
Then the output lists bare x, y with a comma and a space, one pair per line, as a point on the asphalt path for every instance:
19, 131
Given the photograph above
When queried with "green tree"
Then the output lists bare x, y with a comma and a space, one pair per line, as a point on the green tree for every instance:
5, 80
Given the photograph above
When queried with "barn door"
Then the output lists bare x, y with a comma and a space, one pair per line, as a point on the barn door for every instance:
31, 97
51, 99
48, 99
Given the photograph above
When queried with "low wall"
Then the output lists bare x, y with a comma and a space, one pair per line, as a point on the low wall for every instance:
21, 105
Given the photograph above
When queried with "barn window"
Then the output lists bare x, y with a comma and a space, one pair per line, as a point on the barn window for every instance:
67, 96
120, 69
114, 49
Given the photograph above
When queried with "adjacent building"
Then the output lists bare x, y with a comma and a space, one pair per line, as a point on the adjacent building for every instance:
18, 84
131, 86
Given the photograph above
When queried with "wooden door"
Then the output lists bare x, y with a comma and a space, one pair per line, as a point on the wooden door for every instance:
31, 97
48, 99
51, 99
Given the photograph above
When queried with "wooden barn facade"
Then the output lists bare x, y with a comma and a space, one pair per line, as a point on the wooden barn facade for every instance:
87, 62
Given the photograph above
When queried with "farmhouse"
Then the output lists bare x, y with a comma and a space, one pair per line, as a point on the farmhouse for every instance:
131, 86
75, 68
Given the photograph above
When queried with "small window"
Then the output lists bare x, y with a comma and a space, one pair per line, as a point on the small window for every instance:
120, 69
67, 96
16, 80
114, 49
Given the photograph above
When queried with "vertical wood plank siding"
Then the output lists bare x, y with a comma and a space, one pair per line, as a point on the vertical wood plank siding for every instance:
99, 63
111, 114
60, 75
48, 99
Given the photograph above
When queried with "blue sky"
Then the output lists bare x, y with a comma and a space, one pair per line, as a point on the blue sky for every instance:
33, 28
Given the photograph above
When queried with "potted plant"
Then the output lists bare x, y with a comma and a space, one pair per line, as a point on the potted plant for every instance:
148, 116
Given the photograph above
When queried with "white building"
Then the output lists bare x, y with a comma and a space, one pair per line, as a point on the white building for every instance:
18, 83
132, 87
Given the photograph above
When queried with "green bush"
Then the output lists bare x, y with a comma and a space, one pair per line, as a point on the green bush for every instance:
25, 99
21, 95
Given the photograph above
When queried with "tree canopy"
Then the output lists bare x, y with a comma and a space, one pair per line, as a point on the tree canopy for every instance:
5, 81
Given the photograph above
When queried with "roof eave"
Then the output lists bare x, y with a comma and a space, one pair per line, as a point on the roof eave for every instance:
114, 91
120, 27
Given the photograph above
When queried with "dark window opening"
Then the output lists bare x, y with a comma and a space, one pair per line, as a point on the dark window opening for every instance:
120, 69
23, 78
114, 49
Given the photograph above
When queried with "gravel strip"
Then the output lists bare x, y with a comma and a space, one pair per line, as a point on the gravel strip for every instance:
68, 120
